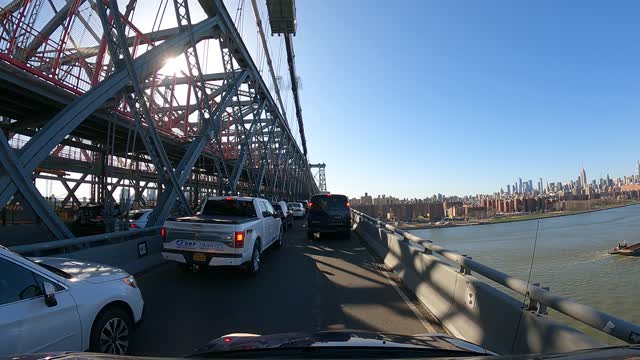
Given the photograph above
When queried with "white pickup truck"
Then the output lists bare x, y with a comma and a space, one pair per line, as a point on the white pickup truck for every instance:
228, 231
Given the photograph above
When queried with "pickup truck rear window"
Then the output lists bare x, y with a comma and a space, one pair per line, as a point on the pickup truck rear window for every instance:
229, 208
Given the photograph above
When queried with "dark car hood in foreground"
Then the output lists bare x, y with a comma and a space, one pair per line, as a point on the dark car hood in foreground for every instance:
310, 346
342, 338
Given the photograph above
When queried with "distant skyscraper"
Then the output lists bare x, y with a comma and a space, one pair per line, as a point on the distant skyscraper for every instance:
530, 186
508, 189
519, 185
540, 186
583, 178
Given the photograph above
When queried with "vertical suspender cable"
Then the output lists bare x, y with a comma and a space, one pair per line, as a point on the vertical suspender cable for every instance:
263, 39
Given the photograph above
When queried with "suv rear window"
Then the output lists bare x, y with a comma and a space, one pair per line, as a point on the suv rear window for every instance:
242, 208
333, 202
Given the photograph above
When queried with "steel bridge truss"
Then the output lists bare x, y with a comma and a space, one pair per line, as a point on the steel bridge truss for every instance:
97, 110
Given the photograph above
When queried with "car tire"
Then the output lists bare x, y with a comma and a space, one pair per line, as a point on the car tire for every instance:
253, 267
111, 332
309, 235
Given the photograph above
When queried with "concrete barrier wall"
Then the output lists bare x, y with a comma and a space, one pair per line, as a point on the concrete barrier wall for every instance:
124, 255
467, 307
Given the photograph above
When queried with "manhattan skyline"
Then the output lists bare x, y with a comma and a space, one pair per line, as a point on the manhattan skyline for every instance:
521, 185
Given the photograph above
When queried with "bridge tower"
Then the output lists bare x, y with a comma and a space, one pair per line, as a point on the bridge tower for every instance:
320, 176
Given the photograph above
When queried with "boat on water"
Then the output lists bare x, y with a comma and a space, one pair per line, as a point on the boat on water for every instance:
624, 249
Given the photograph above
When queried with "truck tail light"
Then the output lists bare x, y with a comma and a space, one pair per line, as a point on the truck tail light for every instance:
348, 204
163, 233
239, 240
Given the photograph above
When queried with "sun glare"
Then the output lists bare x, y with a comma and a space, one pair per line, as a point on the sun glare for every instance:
172, 66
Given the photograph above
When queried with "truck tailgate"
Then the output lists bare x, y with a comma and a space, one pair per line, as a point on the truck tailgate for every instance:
200, 237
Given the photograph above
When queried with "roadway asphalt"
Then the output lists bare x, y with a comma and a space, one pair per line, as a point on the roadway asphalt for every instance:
306, 285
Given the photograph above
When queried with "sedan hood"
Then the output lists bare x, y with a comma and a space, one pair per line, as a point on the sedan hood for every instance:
82, 270
341, 338
609, 353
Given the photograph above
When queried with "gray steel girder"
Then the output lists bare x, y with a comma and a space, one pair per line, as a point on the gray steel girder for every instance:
183, 18
241, 54
55, 22
168, 197
244, 147
149, 136
21, 179
183, 80
40, 145
266, 155
87, 52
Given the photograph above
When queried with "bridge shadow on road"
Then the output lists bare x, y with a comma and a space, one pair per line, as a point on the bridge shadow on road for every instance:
307, 285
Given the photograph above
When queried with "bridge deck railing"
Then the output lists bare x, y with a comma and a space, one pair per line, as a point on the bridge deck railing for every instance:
60, 245
132, 250
599, 320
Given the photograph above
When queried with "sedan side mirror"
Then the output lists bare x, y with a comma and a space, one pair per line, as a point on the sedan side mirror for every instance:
49, 294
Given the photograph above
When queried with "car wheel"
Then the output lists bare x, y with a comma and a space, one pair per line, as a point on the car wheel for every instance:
254, 265
111, 332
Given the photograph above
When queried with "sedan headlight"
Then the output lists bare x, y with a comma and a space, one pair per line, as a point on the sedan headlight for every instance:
131, 281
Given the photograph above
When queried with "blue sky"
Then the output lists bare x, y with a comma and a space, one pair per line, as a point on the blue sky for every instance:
459, 97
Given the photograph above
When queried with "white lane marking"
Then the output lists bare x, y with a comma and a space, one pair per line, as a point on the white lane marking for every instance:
409, 303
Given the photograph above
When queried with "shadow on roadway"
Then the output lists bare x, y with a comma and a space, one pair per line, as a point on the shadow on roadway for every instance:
307, 285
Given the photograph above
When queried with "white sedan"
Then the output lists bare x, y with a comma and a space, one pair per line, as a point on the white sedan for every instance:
297, 209
53, 304
138, 218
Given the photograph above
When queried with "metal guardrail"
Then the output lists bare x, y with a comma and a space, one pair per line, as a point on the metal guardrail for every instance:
599, 320
58, 244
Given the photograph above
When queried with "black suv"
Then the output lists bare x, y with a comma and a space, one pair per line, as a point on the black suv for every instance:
329, 213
